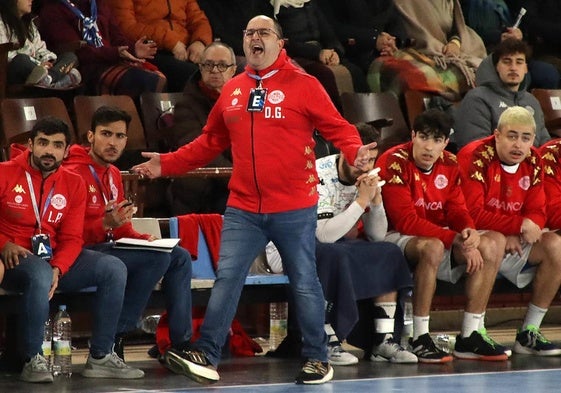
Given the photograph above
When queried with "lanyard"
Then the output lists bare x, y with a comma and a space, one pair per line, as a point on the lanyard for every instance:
38, 217
261, 78
98, 181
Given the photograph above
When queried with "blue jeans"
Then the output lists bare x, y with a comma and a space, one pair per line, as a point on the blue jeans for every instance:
109, 275
33, 277
144, 270
244, 236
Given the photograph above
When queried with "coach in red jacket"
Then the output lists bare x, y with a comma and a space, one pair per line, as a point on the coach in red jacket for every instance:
267, 116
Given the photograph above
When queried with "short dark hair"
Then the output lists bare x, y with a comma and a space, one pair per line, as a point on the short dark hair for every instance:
508, 47
434, 122
50, 125
368, 133
109, 114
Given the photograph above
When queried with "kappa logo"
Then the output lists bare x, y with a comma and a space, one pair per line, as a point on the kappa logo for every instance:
502, 105
18, 189
237, 92
92, 188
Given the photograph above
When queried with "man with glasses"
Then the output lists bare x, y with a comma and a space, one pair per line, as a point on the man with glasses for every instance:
267, 116
217, 66
503, 181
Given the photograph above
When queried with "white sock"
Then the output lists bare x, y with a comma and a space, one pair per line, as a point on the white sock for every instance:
482, 321
534, 316
471, 323
331, 336
388, 307
420, 326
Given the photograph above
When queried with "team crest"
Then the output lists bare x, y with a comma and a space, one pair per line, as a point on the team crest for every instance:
234, 102
441, 182
275, 97
58, 201
524, 183
18, 199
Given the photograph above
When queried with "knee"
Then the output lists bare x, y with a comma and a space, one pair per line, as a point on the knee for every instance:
113, 269
431, 252
181, 258
492, 247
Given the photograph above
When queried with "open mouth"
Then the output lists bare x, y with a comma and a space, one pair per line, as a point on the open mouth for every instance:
256, 49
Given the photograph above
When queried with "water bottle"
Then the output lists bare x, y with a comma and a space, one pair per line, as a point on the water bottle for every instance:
62, 343
47, 343
407, 332
278, 313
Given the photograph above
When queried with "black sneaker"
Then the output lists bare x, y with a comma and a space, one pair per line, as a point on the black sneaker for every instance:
193, 364
427, 351
314, 372
532, 342
478, 346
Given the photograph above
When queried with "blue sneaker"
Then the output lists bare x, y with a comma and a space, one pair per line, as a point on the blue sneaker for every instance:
532, 342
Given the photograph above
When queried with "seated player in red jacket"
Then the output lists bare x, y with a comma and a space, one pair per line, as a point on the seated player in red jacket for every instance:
502, 179
429, 220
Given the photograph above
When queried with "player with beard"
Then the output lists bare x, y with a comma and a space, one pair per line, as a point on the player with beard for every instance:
41, 224
108, 217
501, 83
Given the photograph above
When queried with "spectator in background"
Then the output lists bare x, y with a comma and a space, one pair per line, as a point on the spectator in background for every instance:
541, 28
313, 44
178, 27
429, 220
217, 66
31, 62
110, 63
503, 181
366, 28
501, 84
443, 59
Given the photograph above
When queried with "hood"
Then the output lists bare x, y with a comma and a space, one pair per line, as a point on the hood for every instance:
78, 155
486, 75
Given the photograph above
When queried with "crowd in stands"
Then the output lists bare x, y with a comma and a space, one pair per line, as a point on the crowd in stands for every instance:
243, 67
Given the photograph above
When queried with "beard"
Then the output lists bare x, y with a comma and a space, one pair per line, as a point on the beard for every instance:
46, 167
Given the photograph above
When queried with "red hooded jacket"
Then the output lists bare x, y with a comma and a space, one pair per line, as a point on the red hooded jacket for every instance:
110, 184
273, 150
63, 220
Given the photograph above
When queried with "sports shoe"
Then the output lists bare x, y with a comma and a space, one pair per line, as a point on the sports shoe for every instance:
337, 356
38, 76
427, 352
390, 351
36, 370
532, 342
193, 364
110, 366
478, 346
314, 372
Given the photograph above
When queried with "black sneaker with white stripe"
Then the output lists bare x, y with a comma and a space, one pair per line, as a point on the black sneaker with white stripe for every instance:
314, 372
193, 364
428, 352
